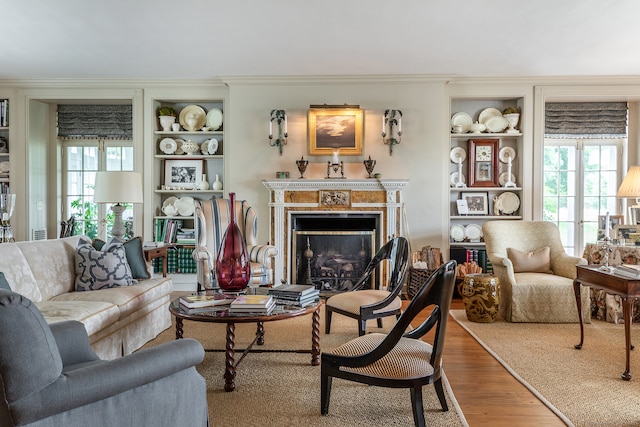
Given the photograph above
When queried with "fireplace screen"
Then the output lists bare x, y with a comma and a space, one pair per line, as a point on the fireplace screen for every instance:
333, 261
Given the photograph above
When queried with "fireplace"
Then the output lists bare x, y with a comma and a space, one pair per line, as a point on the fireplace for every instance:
332, 251
362, 212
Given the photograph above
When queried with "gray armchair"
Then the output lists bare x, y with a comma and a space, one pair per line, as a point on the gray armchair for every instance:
50, 376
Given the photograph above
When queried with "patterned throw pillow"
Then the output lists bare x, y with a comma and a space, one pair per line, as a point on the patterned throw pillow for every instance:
135, 255
97, 269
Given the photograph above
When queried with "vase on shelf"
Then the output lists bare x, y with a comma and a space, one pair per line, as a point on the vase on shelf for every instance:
233, 269
166, 122
204, 184
217, 185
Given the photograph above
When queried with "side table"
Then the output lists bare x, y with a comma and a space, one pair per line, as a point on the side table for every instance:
159, 252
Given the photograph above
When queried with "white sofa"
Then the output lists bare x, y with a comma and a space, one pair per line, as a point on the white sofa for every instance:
118, 320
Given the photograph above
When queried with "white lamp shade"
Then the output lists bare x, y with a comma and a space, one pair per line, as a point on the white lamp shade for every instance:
630, 186
118, 187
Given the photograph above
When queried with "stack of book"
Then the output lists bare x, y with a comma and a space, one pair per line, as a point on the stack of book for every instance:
301, 295
202, 303
628, 270
252, 304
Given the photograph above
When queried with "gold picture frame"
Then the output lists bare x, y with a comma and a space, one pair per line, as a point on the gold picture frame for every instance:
332, 129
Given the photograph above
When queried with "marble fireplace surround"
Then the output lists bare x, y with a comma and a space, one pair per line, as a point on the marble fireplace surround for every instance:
330, 197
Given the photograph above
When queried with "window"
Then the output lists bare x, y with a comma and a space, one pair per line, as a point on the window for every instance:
581, 178
81, 160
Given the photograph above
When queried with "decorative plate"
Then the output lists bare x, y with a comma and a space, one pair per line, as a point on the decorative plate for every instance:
487, 113
473, 232
213, 146
179, 150
457, 155
168, 207
462, 119
204, 147
214, 118
185, 206
4, 167
496, 124
507, 153
503, 178
168, 146
192, 117
508, 202
457, 233
453, 179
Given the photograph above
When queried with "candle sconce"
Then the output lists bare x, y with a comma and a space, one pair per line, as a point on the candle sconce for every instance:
392, 119
280, 117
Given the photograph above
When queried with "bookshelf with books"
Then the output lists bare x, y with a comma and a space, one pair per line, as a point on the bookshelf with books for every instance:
4, 147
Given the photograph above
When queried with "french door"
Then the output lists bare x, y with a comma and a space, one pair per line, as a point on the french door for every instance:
81, 160
581, 178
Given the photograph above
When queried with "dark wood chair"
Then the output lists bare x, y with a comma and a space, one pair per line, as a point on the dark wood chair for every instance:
398, 359
366, 304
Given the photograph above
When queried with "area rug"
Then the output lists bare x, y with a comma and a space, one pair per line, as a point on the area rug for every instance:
283, 389
582, 386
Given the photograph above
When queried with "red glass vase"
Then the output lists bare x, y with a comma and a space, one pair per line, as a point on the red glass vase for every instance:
233, 269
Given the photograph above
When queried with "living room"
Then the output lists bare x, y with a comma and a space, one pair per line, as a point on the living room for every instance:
262, 81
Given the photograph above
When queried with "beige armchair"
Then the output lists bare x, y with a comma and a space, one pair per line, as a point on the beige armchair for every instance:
212, 220
536, 285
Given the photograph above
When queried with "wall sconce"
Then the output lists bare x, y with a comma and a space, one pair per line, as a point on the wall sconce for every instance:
391, 119
280, 116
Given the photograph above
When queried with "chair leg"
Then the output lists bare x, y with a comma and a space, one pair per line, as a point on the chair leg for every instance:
379, 322
362, 326
416, 406
325, 392
327, 322
440, 392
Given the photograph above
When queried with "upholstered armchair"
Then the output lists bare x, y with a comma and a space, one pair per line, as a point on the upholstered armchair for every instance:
535, 273
50, 377
212, 220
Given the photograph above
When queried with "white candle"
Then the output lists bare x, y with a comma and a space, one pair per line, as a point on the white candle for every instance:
335, 160
400, 124
383, 122
270, 128
285, 124
606, 226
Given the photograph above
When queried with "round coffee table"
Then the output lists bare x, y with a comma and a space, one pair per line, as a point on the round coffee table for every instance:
221, 315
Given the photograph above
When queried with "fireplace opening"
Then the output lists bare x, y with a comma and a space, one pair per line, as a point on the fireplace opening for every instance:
332, 251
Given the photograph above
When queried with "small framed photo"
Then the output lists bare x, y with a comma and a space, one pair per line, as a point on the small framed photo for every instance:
483, 163
182, 173
623, 232
463, 208
282, 175
614, 220
477, 203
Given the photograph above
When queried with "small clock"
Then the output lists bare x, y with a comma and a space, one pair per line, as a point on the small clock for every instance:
483, 166
483, 153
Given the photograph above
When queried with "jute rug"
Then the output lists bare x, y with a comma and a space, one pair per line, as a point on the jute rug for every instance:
283, 389
582, 386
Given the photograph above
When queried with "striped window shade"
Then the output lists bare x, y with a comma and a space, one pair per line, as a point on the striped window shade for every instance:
588, 120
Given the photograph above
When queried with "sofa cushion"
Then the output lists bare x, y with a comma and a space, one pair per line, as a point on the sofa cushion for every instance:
3, 282
538, 261
23, 370
101, 269
95, 315
18, 272
135, 256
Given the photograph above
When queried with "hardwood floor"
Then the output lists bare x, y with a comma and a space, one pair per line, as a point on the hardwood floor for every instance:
486, 392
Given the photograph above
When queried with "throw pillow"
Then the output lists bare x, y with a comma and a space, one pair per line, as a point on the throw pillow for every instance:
3, 282
101, 269
538, 261
135, 255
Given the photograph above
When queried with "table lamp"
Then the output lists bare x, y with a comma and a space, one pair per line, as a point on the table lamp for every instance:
630, 188
118, 187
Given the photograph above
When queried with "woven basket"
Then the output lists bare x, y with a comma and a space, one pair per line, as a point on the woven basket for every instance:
417, 277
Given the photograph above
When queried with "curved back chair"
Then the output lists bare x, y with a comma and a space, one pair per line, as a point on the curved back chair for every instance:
366, 304
535, 273
399, 359
212, 220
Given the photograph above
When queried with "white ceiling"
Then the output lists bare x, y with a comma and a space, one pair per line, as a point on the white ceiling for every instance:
206, 39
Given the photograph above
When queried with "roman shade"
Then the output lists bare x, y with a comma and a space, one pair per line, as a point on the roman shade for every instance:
585, 120
95, 121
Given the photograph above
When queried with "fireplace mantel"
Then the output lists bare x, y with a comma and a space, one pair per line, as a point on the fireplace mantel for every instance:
295, 196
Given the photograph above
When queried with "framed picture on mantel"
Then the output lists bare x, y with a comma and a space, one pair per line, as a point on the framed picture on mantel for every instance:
483, 163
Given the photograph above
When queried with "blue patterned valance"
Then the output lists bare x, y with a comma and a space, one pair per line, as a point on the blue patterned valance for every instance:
585, 119
95, 121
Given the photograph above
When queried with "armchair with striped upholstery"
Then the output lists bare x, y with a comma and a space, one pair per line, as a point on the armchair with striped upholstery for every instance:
212, 220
